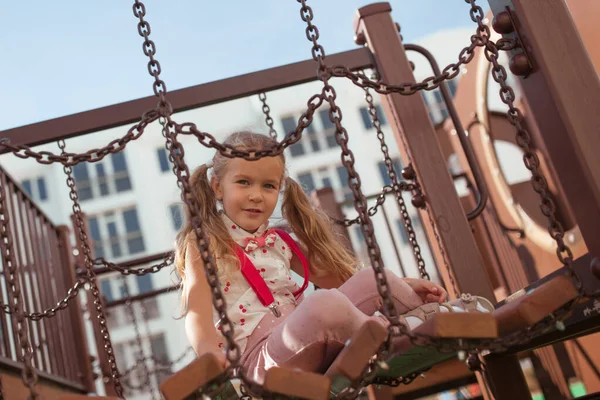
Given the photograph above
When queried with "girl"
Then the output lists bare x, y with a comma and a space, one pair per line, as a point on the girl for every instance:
288, 330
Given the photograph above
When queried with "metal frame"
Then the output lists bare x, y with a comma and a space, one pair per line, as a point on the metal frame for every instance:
181, 99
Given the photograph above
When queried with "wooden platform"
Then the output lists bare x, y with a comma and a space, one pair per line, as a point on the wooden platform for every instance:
354, 358
449, 374
444, 326
296, 383
186, 383
533, 305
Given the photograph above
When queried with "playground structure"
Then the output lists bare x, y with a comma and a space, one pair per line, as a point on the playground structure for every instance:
559, 119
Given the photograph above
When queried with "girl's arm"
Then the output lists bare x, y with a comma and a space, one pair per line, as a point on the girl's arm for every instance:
199, 324
325, 281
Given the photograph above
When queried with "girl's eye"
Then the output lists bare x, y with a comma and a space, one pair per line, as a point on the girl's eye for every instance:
269, 186
243, 182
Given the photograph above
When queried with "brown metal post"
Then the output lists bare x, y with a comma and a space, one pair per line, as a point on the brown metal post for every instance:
563, 92
68, 263
418, 143
102, 357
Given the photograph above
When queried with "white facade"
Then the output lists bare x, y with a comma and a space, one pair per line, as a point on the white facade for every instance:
152, 192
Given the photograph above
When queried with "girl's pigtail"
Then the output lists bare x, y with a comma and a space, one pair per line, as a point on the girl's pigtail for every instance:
212, 225
314, 229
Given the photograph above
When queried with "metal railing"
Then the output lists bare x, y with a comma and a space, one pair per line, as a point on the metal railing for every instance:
44, 270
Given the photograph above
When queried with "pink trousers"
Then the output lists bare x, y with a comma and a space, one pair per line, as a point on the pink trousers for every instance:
310, 335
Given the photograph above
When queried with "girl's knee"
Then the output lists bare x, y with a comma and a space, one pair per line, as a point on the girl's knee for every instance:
329, 307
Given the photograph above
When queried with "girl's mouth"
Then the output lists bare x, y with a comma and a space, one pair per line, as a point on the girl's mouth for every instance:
253, 210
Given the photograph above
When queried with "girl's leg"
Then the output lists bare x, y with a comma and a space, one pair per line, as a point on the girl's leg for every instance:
311, 337
361, 289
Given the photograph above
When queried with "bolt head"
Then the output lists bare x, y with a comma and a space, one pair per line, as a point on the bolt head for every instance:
519, 65
502, 23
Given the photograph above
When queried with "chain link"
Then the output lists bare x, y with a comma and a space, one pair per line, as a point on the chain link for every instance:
267, 111
91, 275
168, 261
158, 86
180, 169
387, 189
412, 237
139, 341
49, 312
28, 374
94, 155
183, 175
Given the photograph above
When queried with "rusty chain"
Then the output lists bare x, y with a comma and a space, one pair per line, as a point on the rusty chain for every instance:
183, 175
328, 94
167, 261
389, 164
49, 312
91, 275
28, 374
94, 155
158, 86
140, 356
267, 111
387, 189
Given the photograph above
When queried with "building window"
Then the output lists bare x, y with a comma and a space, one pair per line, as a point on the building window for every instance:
328, 128
163, 159
116, 234
383, 172
366, 116
289, 125
35, 188
103, 178
177, 216
440, 104
158, 346
307, 182
345, 188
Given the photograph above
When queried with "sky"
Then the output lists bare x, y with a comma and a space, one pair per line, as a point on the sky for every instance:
67, 56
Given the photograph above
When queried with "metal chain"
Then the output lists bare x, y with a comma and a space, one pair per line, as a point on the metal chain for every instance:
49, 312
267, 111
158, 86
167, 261
183, 175
530, 158
158, 361
94, 155
28, 374
141, 357
412, 237
91, 275
387, 189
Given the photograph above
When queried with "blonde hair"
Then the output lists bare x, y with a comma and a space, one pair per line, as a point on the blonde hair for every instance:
313, 228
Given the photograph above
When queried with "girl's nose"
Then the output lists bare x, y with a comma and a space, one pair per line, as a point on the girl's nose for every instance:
255, 195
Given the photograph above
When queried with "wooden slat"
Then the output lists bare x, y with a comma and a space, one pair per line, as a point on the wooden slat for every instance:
411, 358
354, 358
296, 383
442, 374
529, 308
474, 325
191, 378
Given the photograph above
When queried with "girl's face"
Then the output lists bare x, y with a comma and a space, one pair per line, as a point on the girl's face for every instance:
249, 190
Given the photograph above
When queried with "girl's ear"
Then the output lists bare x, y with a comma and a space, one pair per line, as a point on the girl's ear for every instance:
217, 188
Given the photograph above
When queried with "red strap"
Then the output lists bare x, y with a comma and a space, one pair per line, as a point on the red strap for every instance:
256, 281
296, 250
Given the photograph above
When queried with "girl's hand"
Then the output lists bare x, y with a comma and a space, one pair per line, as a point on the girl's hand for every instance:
428, 291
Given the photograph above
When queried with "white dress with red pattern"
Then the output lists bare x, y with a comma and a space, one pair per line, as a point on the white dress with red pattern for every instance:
243, 306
